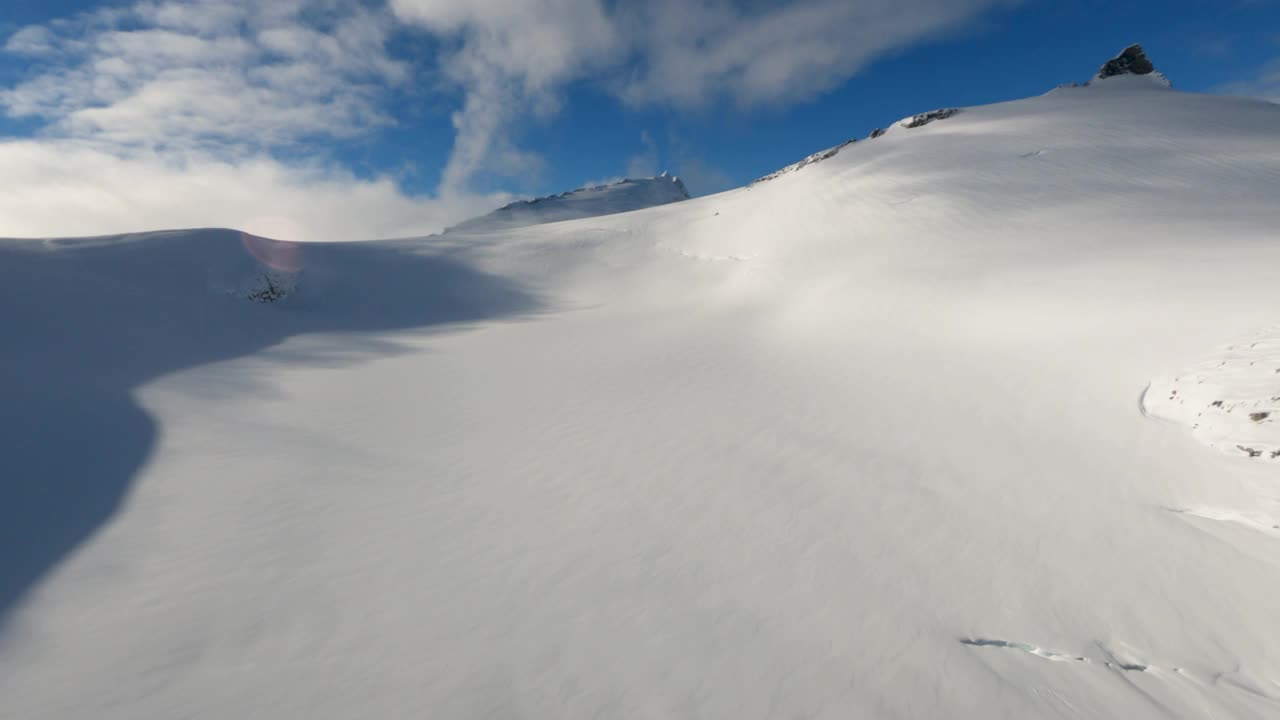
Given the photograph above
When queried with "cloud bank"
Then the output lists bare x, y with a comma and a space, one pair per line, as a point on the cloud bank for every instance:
66, 188
179, 112
173, 113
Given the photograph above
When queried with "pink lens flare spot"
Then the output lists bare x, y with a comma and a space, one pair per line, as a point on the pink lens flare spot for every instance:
276, 227
275, 254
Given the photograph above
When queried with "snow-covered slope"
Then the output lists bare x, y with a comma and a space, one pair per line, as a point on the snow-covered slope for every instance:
616, 197
867, 440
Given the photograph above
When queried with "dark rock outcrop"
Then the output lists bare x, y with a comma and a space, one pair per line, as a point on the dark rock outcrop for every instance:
814, 158
925, 118
1131, 61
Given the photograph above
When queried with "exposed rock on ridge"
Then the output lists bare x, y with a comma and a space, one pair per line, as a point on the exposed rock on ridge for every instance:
1132, 60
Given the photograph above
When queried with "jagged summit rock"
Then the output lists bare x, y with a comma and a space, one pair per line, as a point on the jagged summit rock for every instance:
1132, 60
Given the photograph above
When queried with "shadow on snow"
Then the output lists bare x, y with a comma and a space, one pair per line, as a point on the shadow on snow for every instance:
87, 323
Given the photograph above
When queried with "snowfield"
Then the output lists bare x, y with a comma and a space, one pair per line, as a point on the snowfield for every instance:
1231, 401
868, 440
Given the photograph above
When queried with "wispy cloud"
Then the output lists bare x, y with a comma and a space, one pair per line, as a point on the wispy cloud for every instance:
702, 178
692, 52
513, 58
190, 74
169, 112
179, 112
68, 188
645, 162
1264, 83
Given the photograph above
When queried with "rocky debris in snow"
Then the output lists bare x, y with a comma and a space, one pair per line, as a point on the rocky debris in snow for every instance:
814, 158
914, 121
270, 286
1204, 398
925, 118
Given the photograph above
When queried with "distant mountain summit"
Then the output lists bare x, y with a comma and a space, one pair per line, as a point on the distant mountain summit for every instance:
616, 197
1132, 60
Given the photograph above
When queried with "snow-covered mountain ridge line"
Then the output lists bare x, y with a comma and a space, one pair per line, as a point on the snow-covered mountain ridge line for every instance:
1132, 61
611, 198
910, 122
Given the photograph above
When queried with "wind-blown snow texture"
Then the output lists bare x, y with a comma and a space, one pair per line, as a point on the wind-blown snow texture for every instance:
868, 440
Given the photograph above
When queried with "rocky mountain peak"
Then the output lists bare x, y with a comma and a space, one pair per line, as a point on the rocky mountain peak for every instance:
1132, 60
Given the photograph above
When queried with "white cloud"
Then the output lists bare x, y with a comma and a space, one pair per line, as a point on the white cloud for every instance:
1263, 84
164, 113
698, 51
644, 163
32, 41
174, 112
191, 74
68, 188
512, 58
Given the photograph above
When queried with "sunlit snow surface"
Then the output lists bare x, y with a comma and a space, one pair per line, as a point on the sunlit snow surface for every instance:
869, 440
1231, 400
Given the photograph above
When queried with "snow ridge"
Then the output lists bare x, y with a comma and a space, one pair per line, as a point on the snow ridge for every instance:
608, 199
910, 123
809, 160
1132, 61
925, 118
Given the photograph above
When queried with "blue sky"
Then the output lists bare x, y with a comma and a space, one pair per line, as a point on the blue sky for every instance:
400, 116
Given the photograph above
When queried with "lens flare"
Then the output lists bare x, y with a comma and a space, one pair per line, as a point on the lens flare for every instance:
275, 254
